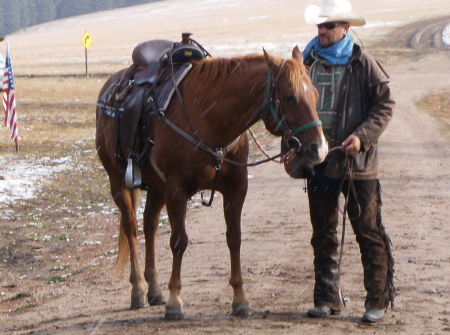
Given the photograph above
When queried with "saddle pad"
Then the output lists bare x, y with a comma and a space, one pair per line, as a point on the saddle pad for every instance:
168, 89
107, 109
110, 111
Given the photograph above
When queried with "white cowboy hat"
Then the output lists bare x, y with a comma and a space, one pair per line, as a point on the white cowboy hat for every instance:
333, 11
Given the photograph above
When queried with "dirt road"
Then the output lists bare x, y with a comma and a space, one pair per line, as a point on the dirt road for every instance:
276, 255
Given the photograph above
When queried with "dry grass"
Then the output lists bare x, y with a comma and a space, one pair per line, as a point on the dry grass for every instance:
55, 110
438, 105
57, 119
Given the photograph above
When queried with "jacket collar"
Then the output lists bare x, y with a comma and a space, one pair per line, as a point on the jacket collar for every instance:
357, 54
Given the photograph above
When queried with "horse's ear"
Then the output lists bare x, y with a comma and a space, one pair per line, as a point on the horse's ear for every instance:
269, 60
296, 54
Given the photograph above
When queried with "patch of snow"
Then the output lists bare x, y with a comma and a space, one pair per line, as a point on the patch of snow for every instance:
143, 12
375, 24
446, 35
88, 243
11, 189
279, 49
258, 17
22, 179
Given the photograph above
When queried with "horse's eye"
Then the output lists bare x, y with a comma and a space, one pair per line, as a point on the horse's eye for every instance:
291, 100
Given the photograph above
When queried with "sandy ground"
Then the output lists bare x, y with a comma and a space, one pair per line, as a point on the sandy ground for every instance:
276, 255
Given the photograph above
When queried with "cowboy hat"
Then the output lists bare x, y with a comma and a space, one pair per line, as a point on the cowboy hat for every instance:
333, 11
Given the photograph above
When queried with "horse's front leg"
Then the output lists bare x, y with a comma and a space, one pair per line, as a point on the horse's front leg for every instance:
153, 207
233, 199
176, 209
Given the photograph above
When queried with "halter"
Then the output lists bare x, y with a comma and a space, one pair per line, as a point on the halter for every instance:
271, 103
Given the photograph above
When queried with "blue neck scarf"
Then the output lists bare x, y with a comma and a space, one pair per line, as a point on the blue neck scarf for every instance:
336, 54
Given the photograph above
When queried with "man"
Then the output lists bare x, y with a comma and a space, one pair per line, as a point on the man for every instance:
355, 106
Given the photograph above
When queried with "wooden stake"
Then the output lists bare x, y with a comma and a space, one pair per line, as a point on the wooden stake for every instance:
86, 59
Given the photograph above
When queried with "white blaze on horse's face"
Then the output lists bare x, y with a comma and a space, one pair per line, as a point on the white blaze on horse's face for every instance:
323, 149
322, 145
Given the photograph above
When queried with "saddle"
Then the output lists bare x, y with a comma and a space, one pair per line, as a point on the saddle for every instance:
151, 58
148, 84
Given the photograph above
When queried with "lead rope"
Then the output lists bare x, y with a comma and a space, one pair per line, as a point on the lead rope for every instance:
351, 187
342, 302
265, 153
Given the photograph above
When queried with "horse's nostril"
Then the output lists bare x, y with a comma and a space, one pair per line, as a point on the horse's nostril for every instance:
314, 147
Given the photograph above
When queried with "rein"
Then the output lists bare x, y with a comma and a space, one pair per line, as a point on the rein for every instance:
218, 152
265, 153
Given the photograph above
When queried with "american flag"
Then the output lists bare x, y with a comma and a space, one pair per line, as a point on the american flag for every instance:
9, 100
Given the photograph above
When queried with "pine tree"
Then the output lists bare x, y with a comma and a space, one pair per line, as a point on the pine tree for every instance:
17, 14
45, 10
11, 17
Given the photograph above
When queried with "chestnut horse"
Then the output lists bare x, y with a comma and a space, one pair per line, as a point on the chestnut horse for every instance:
221, 98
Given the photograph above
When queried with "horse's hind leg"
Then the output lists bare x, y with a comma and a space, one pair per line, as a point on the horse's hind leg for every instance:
126, 200
233, 200
153, 207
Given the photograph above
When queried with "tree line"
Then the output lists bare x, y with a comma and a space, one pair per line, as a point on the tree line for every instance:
18, 14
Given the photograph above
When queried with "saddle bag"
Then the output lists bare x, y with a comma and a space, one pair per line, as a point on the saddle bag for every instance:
181, 53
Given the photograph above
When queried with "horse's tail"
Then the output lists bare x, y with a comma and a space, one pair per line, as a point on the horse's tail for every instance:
124, 247
124, 251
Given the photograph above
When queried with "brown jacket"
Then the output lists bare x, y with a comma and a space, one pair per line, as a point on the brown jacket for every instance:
365, 107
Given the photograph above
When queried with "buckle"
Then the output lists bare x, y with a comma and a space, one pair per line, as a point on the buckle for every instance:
294, 143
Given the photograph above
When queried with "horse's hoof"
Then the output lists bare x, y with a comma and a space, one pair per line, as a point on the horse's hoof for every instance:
242, 310
137, 304
156, 300
174, 313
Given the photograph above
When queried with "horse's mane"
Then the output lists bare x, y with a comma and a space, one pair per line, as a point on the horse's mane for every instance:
298, 74
219, 70
212, 73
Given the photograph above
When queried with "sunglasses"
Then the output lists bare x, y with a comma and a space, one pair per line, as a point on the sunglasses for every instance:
328, 25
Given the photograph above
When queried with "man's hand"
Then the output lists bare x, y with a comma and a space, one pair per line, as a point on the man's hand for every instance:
352, 144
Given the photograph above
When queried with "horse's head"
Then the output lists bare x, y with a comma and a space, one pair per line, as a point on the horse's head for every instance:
289, 110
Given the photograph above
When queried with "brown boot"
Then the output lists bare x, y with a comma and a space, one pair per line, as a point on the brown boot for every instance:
322, 311
373, 315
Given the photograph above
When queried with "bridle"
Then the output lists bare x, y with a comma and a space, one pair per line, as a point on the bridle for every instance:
271, 107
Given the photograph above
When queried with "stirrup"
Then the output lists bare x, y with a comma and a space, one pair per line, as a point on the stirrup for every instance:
132, 175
